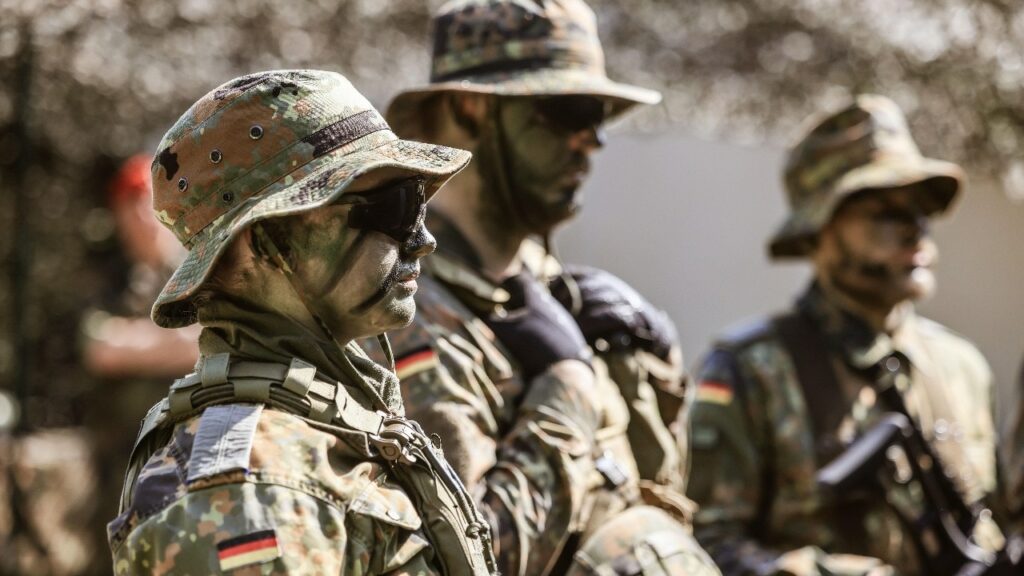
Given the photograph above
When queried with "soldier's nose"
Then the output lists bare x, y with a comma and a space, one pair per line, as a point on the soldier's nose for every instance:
420, 244
588, 139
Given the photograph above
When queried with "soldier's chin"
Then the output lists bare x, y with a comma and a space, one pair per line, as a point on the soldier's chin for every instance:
400, 312
920, 284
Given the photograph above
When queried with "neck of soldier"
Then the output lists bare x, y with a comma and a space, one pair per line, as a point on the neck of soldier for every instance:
479, 214
882, 316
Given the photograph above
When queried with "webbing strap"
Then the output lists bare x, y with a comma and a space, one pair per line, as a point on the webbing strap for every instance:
293, 388
300, 377
823, 395
215, 369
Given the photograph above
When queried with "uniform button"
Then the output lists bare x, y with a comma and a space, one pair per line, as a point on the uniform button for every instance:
892, 364
256, 132
216, 156
941, 429
182, 184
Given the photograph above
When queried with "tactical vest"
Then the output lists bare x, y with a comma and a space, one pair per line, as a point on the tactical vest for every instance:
460, 539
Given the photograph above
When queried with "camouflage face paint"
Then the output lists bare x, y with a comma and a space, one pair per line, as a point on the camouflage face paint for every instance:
545, 158
882, 251
363, 281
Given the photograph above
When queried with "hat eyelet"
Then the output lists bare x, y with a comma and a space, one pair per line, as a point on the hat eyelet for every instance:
182, 184
216, 156
256, 132
228, 197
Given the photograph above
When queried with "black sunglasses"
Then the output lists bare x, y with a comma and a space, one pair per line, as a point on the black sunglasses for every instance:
395, 209
572, 113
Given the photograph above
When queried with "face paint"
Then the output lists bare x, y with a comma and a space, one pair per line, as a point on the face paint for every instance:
878, 248
546, 145
348, 260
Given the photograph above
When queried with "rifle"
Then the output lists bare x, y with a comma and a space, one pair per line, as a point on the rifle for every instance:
942, 532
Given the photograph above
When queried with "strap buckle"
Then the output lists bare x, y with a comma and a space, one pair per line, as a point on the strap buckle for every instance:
395, 440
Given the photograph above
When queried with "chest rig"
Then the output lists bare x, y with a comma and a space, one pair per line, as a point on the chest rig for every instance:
460, 538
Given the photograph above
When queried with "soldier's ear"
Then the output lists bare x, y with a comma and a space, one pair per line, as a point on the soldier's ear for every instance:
469, 111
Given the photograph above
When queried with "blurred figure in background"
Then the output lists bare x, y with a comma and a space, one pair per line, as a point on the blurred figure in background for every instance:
495, 347
120, 342
132, 357
60, 487
778, 400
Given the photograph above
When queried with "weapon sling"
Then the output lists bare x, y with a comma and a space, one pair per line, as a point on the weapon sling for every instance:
826, 403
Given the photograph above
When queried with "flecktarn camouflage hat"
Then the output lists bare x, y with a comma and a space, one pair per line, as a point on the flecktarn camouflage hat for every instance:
267, 145
866, 146
518, 48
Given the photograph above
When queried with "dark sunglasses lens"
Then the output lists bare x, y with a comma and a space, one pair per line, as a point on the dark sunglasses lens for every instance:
394, 210
572, 113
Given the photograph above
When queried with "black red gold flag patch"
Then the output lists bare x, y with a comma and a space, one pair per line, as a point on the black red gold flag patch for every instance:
415, 361
248, 549
714, 392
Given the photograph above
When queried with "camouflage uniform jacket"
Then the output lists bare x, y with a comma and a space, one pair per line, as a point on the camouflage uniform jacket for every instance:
250, 486
1012, 461
754, 454
459, 382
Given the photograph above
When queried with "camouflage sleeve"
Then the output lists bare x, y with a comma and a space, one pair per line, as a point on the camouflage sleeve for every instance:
529, 481
273, 529
653, 390
727, 468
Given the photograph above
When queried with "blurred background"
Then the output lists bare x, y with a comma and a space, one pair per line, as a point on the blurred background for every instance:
680, 202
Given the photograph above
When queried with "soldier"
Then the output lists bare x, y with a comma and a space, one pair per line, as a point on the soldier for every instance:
286, 451
779, 399
522, 84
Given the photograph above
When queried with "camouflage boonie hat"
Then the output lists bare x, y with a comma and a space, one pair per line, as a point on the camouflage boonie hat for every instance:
863, 147
267, 145
518, 48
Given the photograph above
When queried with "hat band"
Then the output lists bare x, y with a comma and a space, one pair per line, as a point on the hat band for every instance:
496, 68
324, 140
345, 131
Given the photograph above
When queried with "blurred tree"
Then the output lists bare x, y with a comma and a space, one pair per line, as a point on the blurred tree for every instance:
104, 78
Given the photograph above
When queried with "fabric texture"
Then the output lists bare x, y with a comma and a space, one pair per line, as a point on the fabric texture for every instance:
517, 48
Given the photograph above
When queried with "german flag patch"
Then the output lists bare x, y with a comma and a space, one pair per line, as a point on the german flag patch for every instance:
249, 549
415, 361
714, 392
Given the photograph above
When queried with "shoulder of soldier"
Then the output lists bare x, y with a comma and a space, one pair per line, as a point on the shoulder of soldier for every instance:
943, 335
951, 346
747, 346
201, 515
449, 355
234, 444
741, 335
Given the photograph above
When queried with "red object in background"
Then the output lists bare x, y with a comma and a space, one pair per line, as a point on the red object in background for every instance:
132, 181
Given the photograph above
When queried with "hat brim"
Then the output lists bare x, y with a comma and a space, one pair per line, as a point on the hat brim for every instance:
174, 307
404, 111
942, 183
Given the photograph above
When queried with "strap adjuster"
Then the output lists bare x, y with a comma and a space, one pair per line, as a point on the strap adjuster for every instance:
215, 369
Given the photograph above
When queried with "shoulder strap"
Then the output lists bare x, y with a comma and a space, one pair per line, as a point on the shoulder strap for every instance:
823, 396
